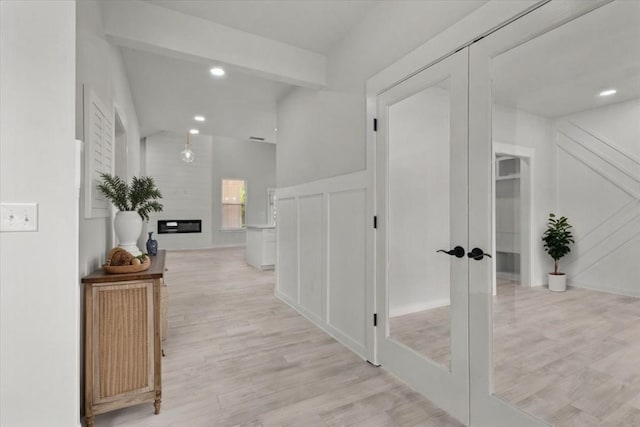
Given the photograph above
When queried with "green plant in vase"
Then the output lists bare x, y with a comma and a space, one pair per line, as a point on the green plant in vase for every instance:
134, 202
557, 240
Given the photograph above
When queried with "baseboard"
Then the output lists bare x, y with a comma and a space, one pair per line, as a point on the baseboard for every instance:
327, 328
615, 291
507, 276
414, 308
238, 245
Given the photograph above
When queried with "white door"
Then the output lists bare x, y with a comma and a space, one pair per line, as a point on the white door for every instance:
422, 209
561, 82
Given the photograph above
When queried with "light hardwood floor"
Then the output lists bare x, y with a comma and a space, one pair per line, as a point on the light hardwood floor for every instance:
571, 358
237, 356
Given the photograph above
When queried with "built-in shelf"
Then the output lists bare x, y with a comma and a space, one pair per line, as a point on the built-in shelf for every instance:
507, 168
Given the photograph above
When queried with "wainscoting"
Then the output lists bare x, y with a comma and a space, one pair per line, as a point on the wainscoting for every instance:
603, 174
324, 257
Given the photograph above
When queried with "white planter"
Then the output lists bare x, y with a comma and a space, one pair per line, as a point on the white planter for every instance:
128, 226
557, 282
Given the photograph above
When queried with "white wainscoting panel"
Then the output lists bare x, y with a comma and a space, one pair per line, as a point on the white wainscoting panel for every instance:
287, 253
599, 191
323, 230
347, 284
312, 253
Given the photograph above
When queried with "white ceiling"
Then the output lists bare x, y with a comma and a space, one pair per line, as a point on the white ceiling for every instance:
309, 24
563, 71
169, 92
556, 74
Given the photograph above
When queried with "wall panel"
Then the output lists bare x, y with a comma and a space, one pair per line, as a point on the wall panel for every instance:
287, 258
347, 285
323, 258
599, 191
312, 273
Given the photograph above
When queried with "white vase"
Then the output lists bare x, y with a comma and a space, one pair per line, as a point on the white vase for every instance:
128, 226
557, 282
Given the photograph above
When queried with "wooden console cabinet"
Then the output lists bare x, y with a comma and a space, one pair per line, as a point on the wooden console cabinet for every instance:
122, 351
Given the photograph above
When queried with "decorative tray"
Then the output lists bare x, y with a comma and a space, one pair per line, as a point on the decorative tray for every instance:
119, 269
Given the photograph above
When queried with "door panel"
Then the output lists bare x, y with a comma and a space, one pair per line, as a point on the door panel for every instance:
422, 146
516, 354
539, 357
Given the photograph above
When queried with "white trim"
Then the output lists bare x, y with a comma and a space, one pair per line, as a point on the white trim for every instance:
615, 291
231, 245
485, 19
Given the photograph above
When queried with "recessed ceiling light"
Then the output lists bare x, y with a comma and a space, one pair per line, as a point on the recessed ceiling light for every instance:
608, 92
217, 71
194, 131
199, 118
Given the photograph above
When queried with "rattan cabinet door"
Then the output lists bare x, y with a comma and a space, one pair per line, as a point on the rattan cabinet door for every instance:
123, 340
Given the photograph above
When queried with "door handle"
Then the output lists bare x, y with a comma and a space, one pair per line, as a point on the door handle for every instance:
477, 254
457, 252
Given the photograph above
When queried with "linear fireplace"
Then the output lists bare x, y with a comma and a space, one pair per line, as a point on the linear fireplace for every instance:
172, 226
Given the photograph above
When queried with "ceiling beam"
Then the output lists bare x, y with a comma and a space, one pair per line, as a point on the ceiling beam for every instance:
152, 28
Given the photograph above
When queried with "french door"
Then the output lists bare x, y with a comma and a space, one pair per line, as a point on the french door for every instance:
422, 181
442, 326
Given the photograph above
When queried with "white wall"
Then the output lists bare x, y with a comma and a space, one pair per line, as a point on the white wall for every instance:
419, 203
39, 336
598, 164
186, 187
193, 191
322, 133
99, 65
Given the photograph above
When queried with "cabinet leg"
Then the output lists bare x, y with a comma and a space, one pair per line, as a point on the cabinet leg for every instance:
156, 405
89, 419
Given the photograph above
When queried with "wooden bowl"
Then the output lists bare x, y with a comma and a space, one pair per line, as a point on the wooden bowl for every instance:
119, 269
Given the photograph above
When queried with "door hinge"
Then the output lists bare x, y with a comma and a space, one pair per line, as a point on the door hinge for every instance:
375, 319
375, 125
375, 221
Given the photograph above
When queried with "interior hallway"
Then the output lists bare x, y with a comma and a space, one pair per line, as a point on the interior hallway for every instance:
235, 355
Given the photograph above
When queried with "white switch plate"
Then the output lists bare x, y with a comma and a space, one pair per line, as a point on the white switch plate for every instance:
18, 217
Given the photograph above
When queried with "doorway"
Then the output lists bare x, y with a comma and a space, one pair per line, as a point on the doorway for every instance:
512, 214
529, 357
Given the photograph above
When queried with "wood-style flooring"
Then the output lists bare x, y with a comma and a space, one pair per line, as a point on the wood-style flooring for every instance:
571, 358
237, 356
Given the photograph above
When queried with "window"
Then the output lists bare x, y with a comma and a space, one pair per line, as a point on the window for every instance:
234, 199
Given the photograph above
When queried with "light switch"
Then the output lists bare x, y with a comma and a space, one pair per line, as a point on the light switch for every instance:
18, 217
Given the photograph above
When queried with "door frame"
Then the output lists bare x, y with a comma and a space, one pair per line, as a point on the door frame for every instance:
481, 22
491, 17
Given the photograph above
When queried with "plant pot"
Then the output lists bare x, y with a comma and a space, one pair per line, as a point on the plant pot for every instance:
557, 282
128, 226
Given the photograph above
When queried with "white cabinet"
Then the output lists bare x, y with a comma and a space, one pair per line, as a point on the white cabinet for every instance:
261, 246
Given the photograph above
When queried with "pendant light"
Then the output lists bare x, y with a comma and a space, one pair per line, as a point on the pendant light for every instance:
187, 155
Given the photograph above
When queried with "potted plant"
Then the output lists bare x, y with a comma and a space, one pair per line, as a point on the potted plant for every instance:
134, 203
557, 240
